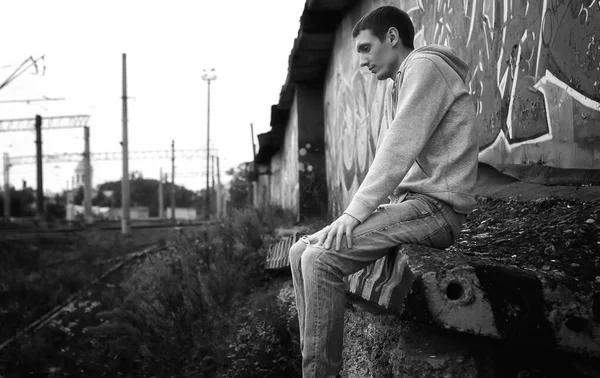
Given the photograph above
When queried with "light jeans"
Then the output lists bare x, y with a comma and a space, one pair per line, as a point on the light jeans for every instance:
318, 273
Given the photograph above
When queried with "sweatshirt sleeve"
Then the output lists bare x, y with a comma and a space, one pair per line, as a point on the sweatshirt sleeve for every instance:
423, 99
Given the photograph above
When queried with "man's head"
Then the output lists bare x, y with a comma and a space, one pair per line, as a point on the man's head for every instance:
383, 39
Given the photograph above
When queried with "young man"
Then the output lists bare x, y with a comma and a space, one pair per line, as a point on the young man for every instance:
426, 165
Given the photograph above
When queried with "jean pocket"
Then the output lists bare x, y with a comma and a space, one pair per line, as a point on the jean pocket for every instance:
440, 238
425, 204
410, 208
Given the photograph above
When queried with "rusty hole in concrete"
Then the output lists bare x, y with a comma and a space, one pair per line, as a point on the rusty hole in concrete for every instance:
454, 290
576, 324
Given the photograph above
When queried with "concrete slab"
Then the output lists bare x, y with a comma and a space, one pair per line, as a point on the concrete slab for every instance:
479, 297
379, 344
496, 184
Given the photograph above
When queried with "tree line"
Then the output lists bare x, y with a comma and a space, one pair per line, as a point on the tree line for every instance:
143, 192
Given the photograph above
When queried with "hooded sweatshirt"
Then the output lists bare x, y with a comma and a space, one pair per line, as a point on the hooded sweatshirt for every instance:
431, 145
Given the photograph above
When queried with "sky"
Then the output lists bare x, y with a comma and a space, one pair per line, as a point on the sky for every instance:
168, 45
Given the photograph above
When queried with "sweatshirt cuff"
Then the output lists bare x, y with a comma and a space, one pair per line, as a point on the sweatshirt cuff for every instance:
359, 210
352, 216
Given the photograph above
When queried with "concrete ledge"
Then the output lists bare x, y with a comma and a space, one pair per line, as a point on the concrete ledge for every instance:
478, 297
379, 344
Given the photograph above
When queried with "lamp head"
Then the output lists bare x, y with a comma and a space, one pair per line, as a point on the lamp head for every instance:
209, 75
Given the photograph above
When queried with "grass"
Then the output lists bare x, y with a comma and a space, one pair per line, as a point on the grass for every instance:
203, 307
39, 273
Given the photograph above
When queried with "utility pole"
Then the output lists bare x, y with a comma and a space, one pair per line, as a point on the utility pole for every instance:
207, 203
253, 184
253, 144
6, 187
39, 198
213, 174
208, 77
87, 177
125, 227
161, 199
173, 180
219, 198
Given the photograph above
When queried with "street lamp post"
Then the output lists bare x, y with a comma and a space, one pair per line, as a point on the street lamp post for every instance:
208, 77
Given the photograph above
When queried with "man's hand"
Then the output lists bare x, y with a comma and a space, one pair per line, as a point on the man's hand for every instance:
344, 225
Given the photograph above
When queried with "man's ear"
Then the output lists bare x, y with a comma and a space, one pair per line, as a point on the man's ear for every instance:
393, 36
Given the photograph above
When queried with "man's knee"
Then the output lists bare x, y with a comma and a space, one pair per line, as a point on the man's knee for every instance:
311, 257
296, 252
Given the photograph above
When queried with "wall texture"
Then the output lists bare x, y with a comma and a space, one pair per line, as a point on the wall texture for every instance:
284, 167
311, 151
534, 76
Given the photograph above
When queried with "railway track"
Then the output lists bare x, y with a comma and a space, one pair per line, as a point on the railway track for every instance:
43, 320
24, 234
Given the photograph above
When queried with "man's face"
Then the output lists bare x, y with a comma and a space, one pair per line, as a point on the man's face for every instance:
377, 56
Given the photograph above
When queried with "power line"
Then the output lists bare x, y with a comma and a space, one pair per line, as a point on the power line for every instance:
29, 100
23, 67
99, 156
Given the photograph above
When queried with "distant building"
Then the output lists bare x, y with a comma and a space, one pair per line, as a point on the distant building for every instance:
79, 178
135, 212
183, 213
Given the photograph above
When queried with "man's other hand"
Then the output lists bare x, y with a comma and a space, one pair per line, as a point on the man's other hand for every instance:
344, 225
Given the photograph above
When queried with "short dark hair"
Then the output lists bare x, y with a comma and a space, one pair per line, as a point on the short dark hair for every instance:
380, 20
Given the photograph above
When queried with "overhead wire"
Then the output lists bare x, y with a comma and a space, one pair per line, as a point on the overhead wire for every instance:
20, 70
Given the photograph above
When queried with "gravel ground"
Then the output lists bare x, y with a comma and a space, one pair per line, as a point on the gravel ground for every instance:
556, 236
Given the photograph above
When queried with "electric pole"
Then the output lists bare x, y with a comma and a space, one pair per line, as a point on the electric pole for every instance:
173, 180
253, 184
39, 198
125, 227
213, 172
161, 199
219, 198
6, 187
208, 77
87, 177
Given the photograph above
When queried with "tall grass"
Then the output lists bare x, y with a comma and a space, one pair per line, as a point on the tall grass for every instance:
196, 310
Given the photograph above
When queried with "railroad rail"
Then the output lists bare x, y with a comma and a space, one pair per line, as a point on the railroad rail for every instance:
59, 309
28, 233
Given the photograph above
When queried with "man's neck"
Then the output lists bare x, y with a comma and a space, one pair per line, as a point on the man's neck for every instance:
402, 54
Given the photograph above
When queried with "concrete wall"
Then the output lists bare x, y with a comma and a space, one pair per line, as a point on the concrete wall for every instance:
284, 167
311, 150
262, 186
534, 76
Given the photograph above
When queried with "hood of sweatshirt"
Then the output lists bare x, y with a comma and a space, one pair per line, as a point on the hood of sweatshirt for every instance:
444, 52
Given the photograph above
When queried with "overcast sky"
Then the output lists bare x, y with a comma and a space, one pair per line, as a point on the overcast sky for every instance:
168, 44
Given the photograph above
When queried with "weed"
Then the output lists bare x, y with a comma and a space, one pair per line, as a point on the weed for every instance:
190, 310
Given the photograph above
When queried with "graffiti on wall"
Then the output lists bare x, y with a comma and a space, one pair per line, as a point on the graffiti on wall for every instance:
534, 77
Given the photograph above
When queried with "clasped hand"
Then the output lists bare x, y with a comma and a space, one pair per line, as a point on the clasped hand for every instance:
344, 225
